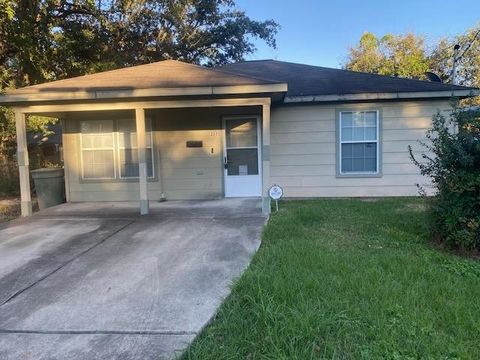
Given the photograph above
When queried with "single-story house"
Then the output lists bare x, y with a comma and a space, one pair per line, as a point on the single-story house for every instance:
172, 130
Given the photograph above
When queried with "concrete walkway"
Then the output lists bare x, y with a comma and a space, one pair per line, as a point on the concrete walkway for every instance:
97, 281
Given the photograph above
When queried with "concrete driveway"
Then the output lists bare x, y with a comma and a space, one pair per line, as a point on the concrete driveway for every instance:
97, 281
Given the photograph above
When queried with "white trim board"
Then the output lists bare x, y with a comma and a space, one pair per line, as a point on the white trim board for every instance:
382, 96
97, 94
159, 104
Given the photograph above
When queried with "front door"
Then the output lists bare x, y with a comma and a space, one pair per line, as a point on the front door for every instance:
242, 158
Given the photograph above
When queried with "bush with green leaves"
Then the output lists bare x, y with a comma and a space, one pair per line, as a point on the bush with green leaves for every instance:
452, 162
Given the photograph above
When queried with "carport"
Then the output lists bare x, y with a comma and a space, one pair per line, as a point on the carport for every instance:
136, 91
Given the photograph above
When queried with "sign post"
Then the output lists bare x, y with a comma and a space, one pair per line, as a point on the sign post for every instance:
276, 193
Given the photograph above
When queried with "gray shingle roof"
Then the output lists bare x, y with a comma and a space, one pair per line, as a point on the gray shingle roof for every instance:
308, 80
162, 74
305, 83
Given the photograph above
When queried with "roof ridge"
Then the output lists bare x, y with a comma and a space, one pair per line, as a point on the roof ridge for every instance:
255, 60
249, 76
230, 73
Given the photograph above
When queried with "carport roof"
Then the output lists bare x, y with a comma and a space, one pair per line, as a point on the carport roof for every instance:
161, 74
163, 78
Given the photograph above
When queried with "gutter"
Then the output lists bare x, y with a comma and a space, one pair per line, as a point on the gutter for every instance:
382, 96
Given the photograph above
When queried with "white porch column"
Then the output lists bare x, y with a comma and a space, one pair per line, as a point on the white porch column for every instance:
265, 158
22, 159
142, 164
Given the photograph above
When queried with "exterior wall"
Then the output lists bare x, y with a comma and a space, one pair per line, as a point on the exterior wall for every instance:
78, 189
189, 173
304, 149
180, 172
303, 152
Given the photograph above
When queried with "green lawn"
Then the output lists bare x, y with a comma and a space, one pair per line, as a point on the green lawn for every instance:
348, 279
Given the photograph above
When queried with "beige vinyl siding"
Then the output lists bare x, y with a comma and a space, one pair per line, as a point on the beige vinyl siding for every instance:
180, 172
190, 173
303, 149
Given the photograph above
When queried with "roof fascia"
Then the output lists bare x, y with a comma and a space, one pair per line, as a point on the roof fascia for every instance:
383, 96
140, 93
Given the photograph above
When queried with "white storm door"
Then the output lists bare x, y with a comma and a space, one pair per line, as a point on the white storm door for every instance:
242, 157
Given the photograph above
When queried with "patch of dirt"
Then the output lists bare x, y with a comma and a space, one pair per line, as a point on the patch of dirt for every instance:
10, 208
369, 199
437, 243
416, 207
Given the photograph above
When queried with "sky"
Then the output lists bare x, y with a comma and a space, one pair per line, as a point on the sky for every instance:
321, 32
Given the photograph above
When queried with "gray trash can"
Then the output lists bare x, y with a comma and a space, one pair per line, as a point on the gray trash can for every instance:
49, 186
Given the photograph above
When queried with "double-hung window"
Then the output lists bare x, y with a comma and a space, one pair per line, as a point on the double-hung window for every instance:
359, 145
97, 149
109, 149
128, 151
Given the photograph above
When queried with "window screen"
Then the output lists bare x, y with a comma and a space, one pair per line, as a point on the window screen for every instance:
242, 161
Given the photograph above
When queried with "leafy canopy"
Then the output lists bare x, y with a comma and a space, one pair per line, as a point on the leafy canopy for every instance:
395, 55
408, 56
441, 58
44, 40
52, 39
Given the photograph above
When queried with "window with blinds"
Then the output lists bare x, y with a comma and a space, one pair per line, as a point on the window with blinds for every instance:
109, 149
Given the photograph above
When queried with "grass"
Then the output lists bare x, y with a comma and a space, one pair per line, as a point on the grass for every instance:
348, 279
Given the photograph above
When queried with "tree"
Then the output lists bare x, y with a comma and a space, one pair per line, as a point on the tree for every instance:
407, 56
468, 65
53, 39
394, 55
43, 40
207, 32
366, 56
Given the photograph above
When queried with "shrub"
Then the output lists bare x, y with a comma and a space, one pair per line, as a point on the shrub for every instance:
452, 161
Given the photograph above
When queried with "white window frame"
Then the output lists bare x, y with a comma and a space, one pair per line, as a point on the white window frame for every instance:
112, 148
134, 148
117, 173
376, 141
